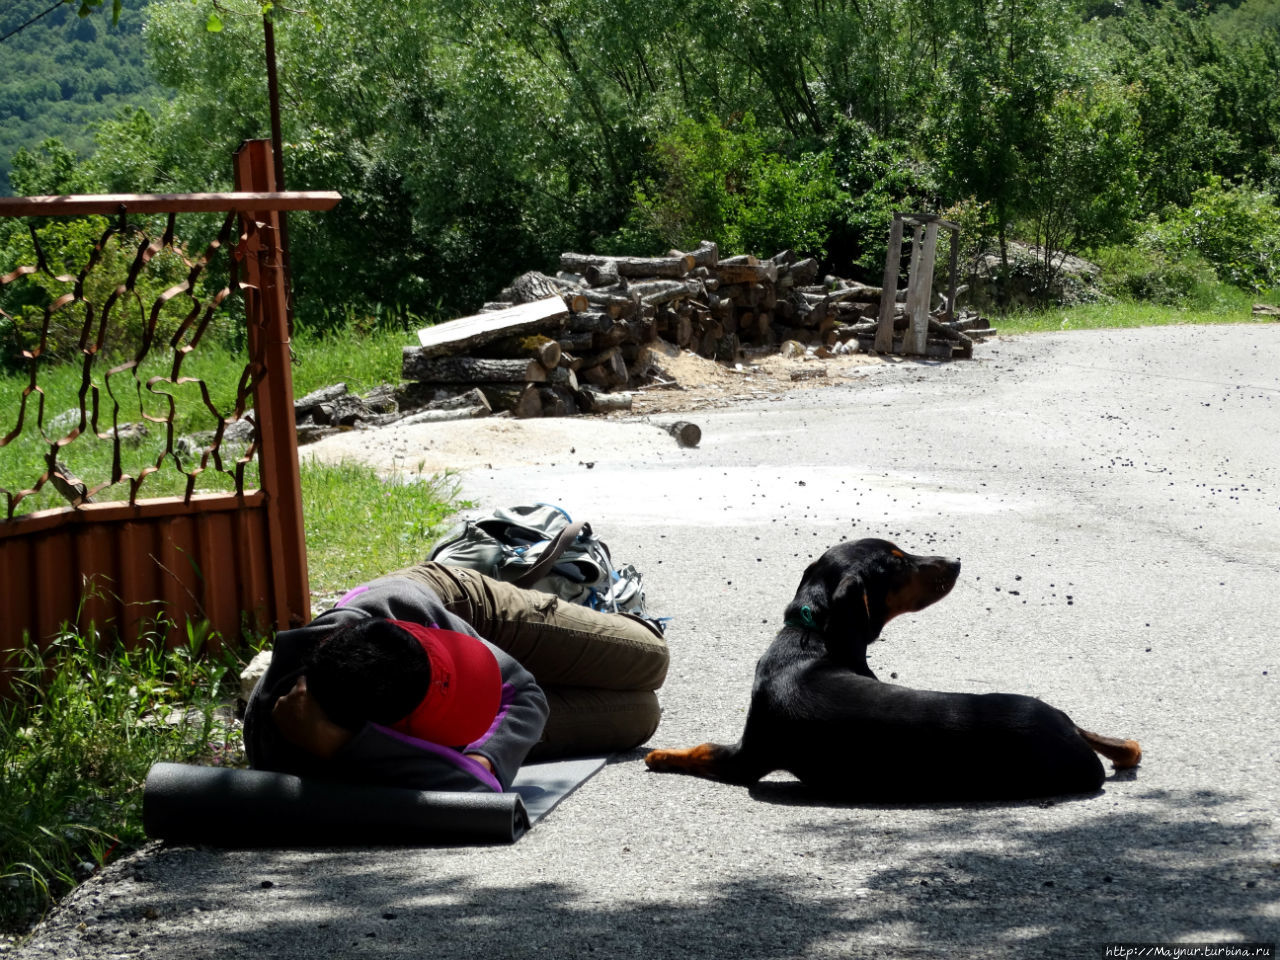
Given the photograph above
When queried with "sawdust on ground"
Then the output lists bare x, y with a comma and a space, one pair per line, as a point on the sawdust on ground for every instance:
688, 381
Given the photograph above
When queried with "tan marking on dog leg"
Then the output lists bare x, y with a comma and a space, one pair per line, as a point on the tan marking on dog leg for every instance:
699, 761
1123, 754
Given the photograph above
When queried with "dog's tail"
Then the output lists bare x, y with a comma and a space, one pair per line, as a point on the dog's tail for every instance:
1122, 753
715, 761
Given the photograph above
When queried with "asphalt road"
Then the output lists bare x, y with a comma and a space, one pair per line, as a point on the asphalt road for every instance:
1115, 499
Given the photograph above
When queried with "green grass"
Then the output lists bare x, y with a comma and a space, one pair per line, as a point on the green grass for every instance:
362, 363
1100, 316
360, 526
86, 721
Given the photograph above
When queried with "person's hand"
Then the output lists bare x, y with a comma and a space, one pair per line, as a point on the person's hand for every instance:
483, 761
302, 721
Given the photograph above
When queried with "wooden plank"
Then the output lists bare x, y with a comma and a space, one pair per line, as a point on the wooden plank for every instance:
889, 288
121, 511
921, 291
913, 284
676, 265
110, 204
524, 318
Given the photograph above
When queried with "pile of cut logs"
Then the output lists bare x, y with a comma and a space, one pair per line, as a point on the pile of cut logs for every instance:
555, 345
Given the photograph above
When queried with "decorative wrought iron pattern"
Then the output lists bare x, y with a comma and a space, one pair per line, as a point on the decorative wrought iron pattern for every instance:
127, 321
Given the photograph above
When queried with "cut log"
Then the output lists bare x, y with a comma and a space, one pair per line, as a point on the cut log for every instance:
521, 401
348, 409
467, 332
557, 402
563, 377
655, 292
472, 398
305, 405
471, 369
533, 347
532, 286
706, 255
676, 266
727, 348
964, 345
808, 373
970, 323
439, 416
609, 371
614, 304
593, 400
747, 272
576, 343
591, 322
687, 434
603, 274
803, 271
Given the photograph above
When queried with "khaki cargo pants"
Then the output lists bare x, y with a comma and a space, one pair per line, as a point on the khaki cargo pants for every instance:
598, 670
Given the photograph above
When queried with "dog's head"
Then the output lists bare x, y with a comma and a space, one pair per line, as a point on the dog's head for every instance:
850, 592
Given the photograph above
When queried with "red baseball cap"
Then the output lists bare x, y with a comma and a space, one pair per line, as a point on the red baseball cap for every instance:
465, 691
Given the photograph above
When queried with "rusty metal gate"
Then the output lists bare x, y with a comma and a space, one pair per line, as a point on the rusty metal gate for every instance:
234, 559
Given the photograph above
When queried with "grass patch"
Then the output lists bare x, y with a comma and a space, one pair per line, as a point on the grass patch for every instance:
86, 721
359, 526
1105, 316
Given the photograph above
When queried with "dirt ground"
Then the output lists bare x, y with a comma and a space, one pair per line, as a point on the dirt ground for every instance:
697, 383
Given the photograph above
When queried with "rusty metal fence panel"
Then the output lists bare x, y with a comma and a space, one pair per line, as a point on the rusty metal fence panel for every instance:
112, 557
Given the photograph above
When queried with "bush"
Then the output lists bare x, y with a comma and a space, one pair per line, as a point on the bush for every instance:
877, 178
731, 185
1134, 273
1234, 227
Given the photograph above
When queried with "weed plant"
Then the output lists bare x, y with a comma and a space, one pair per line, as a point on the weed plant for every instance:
85, 720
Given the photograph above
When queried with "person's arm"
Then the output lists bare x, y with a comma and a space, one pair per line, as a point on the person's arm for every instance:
518, 725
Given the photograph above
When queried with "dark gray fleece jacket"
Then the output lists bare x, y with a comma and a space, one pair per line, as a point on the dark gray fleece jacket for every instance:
377, 754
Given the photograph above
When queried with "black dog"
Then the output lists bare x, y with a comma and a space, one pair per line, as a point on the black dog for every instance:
819, 712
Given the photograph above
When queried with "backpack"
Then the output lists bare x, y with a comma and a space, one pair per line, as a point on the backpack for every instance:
539, 547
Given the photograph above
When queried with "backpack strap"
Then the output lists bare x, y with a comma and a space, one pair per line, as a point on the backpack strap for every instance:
550, 555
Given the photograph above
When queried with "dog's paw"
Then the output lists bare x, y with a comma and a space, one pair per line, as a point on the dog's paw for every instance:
1131, 758
658, 759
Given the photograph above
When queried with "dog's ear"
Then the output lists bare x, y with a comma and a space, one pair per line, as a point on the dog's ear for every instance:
849, 616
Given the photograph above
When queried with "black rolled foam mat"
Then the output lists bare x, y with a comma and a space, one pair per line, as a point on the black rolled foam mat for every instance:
219, 806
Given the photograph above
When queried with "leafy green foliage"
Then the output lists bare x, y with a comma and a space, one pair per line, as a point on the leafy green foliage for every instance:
1234, 227
473, 141
85, 722
730, 183
68, 71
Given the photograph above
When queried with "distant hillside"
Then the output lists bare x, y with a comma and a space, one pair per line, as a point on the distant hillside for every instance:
63, 73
